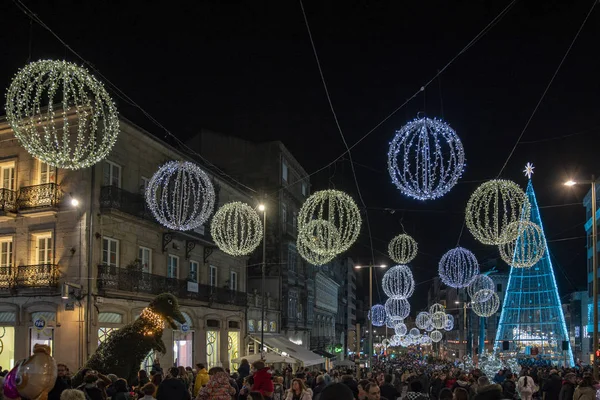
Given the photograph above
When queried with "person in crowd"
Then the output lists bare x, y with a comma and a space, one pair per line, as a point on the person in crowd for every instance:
243, 371
303, 377
552, 386
336, 391
462, 382
499, 378
90, 388
218, 386
262, 380
509, 387
201, 378
437, 384
585, 390
63, 382
320, 385
141, 380
388, 390
362, 389
246, 388
156, 368
148, 391
349, 381
460, 394
415, 391
525, 386
278, 388
255, 396
373, 392
568, 387
487, 390
72, 394
445, 394
184, 376
298, 391
121, 392
172, 388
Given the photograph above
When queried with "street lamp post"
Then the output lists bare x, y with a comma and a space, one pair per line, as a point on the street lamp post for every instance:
592, 182
262, 208
370, 267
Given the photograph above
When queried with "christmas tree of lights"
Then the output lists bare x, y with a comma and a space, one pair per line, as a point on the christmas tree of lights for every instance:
532, 319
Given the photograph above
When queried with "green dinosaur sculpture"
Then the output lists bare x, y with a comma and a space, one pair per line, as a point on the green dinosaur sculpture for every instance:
124, 350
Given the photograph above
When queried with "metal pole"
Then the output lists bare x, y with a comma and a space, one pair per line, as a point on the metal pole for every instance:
262, 324
370, 308
465, 326
481, 335
595, 274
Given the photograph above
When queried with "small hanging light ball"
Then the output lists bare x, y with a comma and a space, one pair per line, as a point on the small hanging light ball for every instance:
310, 256
398, 282
436, 308
377, 315
487, 307
237, 229
479, 283
62, 114
397, 309
403, 249
321, 237
425, 340
400, 329
458, 268
435, 336
423, 318
527, 249
414, 332
438, 319
180, 195
449, 325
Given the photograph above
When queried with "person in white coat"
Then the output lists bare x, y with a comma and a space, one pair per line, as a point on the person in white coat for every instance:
525, 386
298, 391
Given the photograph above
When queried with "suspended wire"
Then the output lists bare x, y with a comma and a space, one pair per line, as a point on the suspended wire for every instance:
537, 106
590, 130
122, 95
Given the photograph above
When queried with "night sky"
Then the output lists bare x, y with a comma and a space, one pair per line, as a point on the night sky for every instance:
247, 69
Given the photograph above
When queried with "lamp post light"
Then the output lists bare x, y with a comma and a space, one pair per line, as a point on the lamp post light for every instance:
592, 182
370, 267
262, 208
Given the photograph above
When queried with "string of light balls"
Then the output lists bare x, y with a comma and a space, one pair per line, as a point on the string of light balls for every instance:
458, 268
236, 229
377, 315
403, 249
485, 308
61, 114
398, 282
397, 309
479, 283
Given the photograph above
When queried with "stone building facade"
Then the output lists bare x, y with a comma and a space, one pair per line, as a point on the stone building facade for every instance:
47, 241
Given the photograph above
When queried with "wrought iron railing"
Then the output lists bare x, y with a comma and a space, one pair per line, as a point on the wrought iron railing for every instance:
6, 278
38, 196
37, 276
8, 200
122, 279
122, 200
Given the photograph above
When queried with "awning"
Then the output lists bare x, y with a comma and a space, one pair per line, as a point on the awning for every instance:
281, 345
324, 353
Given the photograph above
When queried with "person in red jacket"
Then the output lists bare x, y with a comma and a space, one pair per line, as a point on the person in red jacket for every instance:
262, 380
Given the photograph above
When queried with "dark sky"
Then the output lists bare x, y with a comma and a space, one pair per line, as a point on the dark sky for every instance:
247, 69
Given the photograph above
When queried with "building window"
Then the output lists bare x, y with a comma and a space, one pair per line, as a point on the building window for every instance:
304, 188
103, 334
212, 276
44, 248
291, 258
212, 348
173, 267
143, 184
193, 274
8, 175
6, 253
233, 280
47, 173
250, 325
145, 257
111, 174
233, 346
110, 252
294, 221
284, 217
284, 171
292, 304
272, 326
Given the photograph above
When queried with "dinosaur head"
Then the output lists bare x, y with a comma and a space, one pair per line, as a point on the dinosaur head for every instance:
167, 306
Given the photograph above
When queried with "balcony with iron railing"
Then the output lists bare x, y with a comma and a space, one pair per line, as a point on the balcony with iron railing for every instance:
29, 276
46, 195
8, 201
113, 197
111, 278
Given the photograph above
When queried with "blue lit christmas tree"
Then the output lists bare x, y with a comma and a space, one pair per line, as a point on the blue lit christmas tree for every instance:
532, 322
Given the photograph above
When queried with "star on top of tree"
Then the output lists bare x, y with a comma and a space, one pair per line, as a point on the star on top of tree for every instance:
528, 170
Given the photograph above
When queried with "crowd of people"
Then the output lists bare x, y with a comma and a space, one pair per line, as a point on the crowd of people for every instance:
405, 378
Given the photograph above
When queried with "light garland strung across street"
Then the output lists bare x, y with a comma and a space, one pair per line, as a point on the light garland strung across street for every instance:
436, 307
397, 309
426, 158
527, 249
61, 114
321, 237
439, 319
458, 268
400, 329
423, 318
492, 207
479, 283
180, 195
237, 229
377, 315
403, 249
310, 256
487, 307
338, 209
398, 282
435, 336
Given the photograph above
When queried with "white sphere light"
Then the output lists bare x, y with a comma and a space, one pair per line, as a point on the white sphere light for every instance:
487, 307
426, 158
403, 249
436, 307
528, 247
479, 283
458, 268
423, 318
400, 329
237, 229
492, 207
397, 309
392, 322
438, 319
180, 195
396, 340
310, 256
414, 332
435, 336
340, 211
321, 237
377, 315
429, 327
61, 114
405, 341
385, 342
449, 325
398, 282
426, 340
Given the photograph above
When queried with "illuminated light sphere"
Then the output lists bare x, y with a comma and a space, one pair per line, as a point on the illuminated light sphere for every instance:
237, 229
435, 336
429, 327
397, 308
438, 319
180, 195
392, 322
436, 307
406, 341
377, 315
493, 207
396, 340
398, 282
423, 318
449, 325
340, 211
321, 237
400, 329
426, 158
310, 256
458, 268
385, 342
414, 332
479, 283
61, 114
527, 249
487, 307
426, 340
403, 249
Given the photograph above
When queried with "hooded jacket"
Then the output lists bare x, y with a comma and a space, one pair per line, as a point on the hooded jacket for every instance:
489, 392
201, 380
567, 391
217, 388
